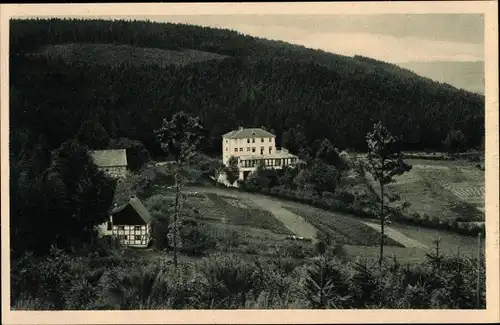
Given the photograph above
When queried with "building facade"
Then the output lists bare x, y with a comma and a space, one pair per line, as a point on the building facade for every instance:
254, 147
112, 162
131, 224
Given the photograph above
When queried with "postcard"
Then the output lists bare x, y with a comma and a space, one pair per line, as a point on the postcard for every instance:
234, 163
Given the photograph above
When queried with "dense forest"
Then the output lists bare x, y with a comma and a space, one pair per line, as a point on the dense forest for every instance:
67, 72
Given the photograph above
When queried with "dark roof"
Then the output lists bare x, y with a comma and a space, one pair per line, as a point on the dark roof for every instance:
248, 133
131, 213
110, 158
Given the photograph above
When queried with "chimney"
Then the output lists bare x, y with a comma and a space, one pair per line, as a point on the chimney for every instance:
132, 197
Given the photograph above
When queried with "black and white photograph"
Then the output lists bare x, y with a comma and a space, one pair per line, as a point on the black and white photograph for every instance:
247, 161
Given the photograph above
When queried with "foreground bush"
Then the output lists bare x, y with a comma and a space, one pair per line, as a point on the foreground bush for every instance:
230, 281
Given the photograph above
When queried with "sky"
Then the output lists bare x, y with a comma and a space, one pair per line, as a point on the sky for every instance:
395, 38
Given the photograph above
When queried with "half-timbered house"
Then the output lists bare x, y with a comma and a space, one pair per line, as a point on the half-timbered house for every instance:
131, 223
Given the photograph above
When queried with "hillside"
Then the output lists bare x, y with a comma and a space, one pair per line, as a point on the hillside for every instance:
129, 75
116, 55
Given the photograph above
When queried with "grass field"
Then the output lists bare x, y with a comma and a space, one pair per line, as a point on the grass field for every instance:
451, 243
443, 189
360, 241
228, 210
343, 229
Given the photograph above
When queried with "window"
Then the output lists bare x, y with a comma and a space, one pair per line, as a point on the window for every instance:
253, 140
248, 148
248, 140
137, 237
226, 148
270, 150
121, 228
270, 139
253, 149
110, 226
241, 149
226, 141
235, 149
137, 227
261, 139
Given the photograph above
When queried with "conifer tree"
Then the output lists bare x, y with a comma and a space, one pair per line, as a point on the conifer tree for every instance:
384, 163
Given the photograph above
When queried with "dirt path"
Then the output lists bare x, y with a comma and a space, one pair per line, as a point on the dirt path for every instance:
397, 236
298, 225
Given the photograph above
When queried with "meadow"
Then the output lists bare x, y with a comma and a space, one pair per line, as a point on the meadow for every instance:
362, 242
343, 230
234, 225
447, 190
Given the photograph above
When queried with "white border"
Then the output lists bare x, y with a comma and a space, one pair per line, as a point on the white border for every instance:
491, 314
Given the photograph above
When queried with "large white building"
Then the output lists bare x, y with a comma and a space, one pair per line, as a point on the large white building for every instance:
254, 147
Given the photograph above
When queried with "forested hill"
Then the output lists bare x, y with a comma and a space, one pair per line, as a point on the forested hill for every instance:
128, 75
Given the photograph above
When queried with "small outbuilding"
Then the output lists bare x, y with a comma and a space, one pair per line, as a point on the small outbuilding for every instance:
113, 162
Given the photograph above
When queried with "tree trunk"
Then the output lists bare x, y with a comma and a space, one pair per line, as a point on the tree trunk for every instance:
382, 223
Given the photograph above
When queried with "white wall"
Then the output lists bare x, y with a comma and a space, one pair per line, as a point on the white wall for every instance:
127, 234
256, 143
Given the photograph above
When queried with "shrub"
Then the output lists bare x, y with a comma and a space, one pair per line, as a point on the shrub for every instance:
229, 280
325, 283
48, 279
144, 287
144, 182
298, 250
159, 230
196, 239
164, 177
85, 290
345, 197
158, 204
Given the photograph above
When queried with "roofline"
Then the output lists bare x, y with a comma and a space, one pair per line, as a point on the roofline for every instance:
271, 136
234, 133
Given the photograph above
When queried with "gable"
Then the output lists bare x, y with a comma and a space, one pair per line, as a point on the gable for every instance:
127, 216
131, 213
